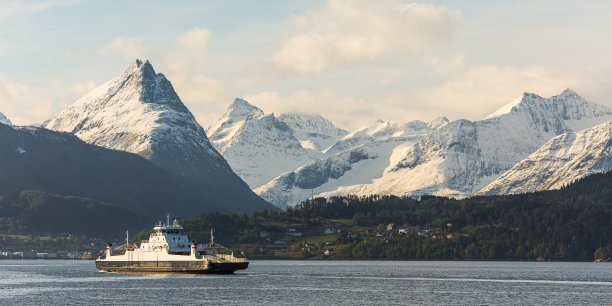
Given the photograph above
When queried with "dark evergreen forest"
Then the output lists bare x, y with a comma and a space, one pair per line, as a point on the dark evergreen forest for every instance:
574, 223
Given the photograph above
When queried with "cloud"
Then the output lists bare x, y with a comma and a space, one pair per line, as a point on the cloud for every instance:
445, 65
83, 87
347, 111
127, 47
480, 90
431, 67
189, 52
344, 110
21, 105
471, 94
204, 95
194, 44
183, 64
19, 7
345, 33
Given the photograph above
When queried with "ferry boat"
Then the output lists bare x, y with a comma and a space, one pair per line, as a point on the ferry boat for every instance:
168, 250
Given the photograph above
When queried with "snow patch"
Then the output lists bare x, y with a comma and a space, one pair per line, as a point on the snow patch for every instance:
506, 108
577, 125
5, 120
308, 144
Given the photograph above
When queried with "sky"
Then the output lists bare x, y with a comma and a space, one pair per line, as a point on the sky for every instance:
352, 62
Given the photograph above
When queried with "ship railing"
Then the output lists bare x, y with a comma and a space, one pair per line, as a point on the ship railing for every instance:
231, 258
144, 241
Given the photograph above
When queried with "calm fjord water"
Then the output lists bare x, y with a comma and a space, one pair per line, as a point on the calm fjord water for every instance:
314, 282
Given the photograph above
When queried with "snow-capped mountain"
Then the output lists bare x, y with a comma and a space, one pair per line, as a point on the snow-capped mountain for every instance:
313, 131
381, 130
222, 133
357, 166
4, 119
451, 159
258, 147
140, 112
369, 151
559, 162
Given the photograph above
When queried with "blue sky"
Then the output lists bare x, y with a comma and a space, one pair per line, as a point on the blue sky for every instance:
351, 61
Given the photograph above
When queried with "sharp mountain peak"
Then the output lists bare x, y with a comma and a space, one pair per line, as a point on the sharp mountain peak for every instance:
4, 119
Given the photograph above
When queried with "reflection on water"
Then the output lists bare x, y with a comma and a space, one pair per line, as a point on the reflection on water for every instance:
314, 282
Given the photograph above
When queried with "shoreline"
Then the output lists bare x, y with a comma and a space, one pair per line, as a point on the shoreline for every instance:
355, 259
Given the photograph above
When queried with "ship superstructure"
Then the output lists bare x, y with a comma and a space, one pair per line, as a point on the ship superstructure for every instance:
168, 250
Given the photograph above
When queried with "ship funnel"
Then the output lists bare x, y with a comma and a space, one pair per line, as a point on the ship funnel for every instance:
194, 249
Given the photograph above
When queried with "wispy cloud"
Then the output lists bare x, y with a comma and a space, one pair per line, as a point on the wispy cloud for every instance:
20, 7
344, 33
470, 94
83, 87
21, 104
183, 64
480, 90
345, 110
127, 47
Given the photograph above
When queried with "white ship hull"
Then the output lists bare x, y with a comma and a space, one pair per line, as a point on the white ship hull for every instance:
168, 251
180, 267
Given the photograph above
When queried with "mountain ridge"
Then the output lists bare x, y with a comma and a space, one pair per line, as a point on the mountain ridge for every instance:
261, 146
139, 112
5, 120
455, 158
313, 131
559, 162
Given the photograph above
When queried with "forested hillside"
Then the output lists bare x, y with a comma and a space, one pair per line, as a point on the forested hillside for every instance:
574, 223
40, 212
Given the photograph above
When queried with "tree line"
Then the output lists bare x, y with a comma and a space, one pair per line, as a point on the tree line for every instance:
573, 223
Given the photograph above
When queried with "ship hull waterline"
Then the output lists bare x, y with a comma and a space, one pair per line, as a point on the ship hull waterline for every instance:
170, 267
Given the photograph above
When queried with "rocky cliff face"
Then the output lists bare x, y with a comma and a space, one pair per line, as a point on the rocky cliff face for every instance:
559, 162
